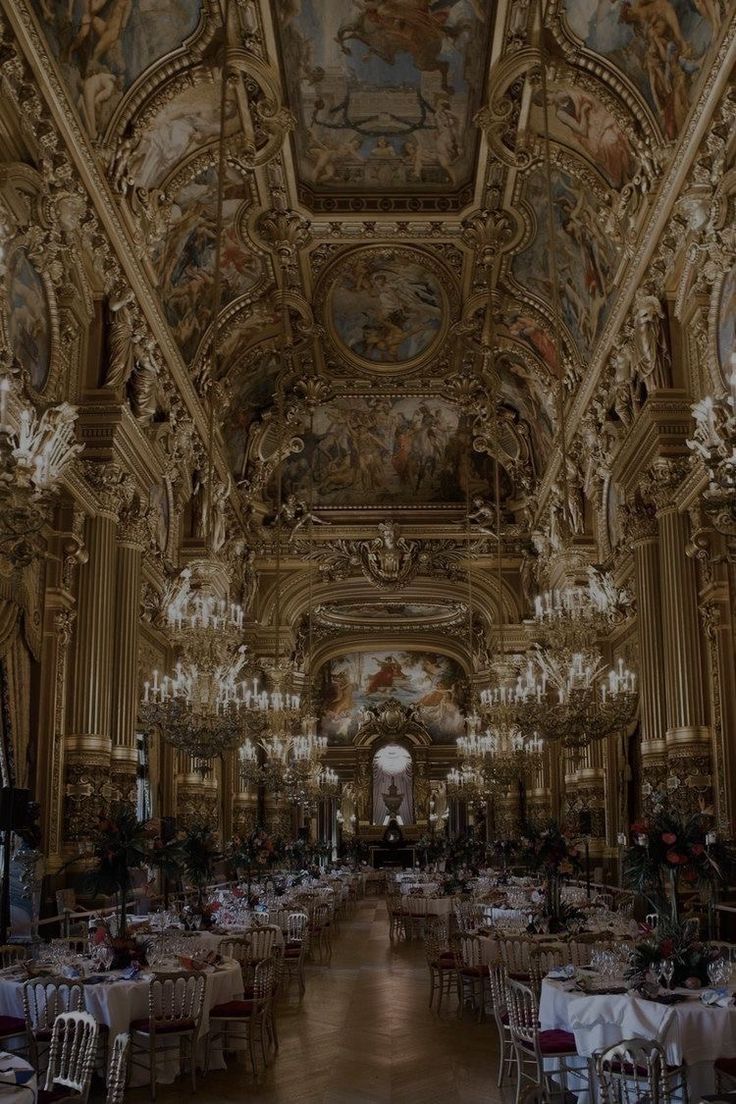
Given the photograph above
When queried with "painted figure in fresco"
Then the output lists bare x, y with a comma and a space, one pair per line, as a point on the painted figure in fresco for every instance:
596, 131
667, 60
392, 27
382, 681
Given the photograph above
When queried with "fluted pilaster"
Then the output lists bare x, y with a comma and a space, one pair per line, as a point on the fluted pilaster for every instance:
125, 689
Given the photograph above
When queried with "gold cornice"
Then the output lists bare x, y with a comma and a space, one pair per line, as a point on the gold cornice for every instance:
689, 143
661, 429
23, 23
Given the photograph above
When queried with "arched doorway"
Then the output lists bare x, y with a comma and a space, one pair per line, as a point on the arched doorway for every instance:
393, 785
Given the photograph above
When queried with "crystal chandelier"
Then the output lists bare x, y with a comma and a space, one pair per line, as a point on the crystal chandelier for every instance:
714, 441
512, 757
34, 453
466, 783
574, 700
198, 708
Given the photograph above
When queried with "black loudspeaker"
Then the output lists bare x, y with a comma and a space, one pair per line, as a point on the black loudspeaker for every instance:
585, 821
14, 809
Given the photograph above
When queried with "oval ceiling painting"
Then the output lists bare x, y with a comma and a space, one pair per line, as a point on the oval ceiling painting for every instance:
386, 307
29, 320
727, 325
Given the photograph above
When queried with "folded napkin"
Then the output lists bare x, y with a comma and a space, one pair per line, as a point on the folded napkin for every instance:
720, 997
562, 973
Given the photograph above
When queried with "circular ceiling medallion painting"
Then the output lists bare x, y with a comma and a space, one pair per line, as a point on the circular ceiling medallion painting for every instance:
387, 308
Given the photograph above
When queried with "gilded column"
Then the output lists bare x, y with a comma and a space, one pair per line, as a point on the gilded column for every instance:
88, 746
688, 738
641, 532
133, 537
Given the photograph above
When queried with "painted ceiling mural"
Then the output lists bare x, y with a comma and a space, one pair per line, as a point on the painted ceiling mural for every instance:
659, 45
433, 684
103, 46
185, 257
387, 451
385, 307
586, 257
384, 91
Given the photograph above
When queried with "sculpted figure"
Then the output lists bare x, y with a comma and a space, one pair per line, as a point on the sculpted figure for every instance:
121, 337
651, 341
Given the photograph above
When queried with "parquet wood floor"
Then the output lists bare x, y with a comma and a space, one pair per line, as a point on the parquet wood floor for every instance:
363, 1035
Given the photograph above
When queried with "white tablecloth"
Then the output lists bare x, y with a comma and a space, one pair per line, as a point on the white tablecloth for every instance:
427, 888
435, 906
119, 1002
18, 1084
690, 1032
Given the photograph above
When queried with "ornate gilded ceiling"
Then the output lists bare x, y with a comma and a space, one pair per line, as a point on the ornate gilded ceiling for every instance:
384, 165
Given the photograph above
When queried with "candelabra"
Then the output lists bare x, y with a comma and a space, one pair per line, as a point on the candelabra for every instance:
34, 453
714, 441
512, 757
466, 783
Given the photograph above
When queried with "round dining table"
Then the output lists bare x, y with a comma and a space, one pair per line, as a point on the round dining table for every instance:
115, 1001
690, 1031
18, 1082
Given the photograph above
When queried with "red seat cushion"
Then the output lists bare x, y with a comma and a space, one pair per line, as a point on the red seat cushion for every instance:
232, 1010
12, 1025
292, 952
474, 971
293, 943
556, 1041
448, 958
162, 1027
47, 1096
727, 1066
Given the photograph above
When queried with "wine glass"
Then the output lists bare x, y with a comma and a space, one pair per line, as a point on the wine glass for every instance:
667, 971
718, 972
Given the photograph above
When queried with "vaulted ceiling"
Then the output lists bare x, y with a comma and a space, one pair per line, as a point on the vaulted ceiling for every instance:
385, 161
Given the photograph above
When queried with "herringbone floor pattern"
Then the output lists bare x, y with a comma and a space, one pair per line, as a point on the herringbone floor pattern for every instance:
363, 1035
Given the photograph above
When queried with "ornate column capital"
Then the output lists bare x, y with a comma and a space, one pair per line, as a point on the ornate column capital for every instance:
112, 485
134, 529
638, 521
662, 481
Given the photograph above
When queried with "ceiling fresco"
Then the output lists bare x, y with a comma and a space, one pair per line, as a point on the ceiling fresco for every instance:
385, 93
379, 452
103, 47
385, 307
586, 256
433, 684
579, 120
658, 47
29, 319
185, 257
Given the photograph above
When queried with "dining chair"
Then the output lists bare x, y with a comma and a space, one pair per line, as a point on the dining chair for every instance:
175, 1007
514, 954
542, 960
320, 934
117, 1071
250, 1021
533, 1046
415, 917
631, 1072
295, 951
71, 1059
11, 954
441, 961
472, 973
497, 978
396, 916
44, 999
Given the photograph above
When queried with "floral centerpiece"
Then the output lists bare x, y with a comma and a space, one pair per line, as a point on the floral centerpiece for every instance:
670, 853
550, 852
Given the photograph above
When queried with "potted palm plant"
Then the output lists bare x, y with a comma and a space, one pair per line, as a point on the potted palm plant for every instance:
199, 854
119, 846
